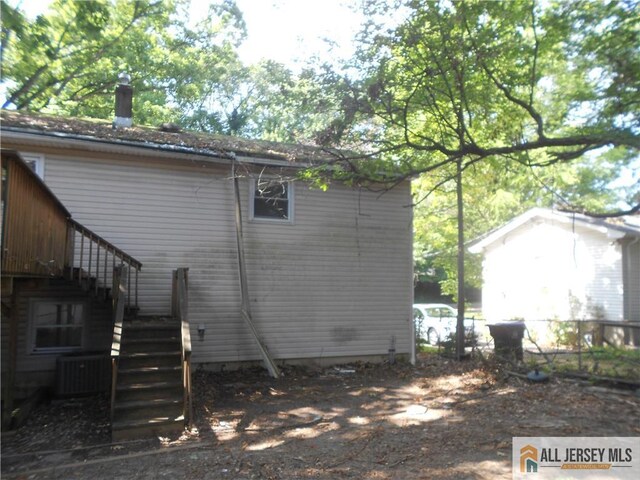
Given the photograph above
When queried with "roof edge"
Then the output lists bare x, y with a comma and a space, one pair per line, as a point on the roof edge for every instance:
614, 232
81, 142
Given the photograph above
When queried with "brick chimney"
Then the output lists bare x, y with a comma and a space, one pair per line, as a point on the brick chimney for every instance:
124, 102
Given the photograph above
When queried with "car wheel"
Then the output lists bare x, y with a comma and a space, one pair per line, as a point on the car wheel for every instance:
432, 337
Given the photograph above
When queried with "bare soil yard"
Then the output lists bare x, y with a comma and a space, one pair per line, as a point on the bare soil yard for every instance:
440, 419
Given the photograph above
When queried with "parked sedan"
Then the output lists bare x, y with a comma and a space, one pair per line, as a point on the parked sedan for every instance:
435, 322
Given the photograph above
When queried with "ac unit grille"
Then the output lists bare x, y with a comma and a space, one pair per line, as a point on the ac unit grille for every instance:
82, 375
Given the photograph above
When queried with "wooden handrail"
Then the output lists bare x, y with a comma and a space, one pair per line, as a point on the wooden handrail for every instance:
119, 299
103, 250
180, 308
126, 258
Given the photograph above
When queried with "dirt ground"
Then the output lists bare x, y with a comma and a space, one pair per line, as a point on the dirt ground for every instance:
438, 420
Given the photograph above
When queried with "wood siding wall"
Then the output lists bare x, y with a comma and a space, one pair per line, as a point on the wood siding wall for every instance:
336, 282
34, 227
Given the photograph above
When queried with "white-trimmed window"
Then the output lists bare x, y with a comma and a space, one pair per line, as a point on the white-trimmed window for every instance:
271, 200
35, 162
57, 326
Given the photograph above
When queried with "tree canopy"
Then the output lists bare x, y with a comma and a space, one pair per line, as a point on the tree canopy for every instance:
67, 60
473, 80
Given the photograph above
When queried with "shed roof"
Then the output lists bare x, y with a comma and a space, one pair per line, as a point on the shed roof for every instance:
614, 228
185, 142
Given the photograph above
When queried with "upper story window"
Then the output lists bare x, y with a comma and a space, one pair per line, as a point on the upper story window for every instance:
271, 200
35, 162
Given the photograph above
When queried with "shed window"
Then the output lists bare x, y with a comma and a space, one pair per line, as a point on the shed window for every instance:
272, 200
57, 326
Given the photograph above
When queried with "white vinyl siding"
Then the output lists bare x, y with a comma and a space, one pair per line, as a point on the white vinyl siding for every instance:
545, 270
335, 283
631, 268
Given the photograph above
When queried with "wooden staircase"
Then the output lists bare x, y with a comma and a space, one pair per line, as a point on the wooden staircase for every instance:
149, 392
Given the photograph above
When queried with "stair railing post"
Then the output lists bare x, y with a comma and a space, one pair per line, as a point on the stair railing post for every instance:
97, 267
115, 282
137, 270
118, 317
104, 279
128, 285
181, 306
174, 293
81, 259
90, 259
69, 247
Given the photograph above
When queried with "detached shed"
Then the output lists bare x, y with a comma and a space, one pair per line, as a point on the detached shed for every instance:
546, 264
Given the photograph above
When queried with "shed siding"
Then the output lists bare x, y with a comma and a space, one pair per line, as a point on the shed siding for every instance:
544, 270
336, 282
631, 267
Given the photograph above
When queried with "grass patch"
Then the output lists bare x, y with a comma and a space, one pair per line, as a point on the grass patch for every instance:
603, 361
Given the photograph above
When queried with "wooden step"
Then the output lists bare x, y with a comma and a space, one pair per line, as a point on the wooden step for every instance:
134, 376
136, 332
121, 430
148, 386
156, 402
149, 345
131, 360
149, 392
142, 321
140, 411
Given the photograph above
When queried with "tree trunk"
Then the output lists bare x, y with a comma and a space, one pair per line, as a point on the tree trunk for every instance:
460, 320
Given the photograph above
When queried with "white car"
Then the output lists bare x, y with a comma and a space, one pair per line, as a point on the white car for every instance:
435, 322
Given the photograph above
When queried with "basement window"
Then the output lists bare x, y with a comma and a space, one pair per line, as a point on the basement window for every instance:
271, 200
57, 326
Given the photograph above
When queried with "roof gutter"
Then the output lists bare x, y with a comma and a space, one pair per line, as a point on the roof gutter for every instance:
156, 150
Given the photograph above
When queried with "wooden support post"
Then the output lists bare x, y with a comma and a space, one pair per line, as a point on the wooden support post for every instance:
246, 304
8, 381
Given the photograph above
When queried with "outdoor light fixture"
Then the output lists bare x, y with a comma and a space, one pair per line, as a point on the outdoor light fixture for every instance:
201, 331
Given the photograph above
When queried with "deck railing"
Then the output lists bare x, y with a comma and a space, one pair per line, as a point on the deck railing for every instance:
94, 257
180, 310
40, 239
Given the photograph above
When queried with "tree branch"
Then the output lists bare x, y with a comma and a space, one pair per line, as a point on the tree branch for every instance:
612, 214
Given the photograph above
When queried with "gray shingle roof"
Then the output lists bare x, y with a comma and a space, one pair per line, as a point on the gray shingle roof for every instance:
150, 137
